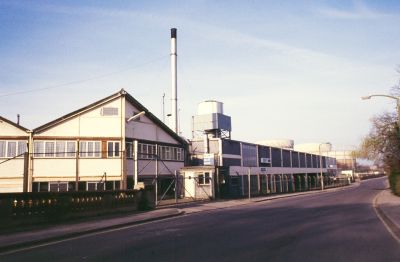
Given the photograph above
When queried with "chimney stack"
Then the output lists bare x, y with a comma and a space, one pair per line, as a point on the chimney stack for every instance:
18, 116
174, 98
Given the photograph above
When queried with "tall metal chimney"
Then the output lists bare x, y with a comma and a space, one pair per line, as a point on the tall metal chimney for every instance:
174, 98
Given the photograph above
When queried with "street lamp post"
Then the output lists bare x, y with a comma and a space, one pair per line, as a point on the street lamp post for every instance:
397, 98
320, 163
135, 156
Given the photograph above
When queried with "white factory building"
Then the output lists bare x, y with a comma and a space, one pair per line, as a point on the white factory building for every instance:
102, 146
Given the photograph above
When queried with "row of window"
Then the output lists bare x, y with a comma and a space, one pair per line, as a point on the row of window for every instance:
70, 186
149, 151
12, 148
88, 149
54, 148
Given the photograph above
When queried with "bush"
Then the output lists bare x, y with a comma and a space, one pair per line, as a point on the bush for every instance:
394, 181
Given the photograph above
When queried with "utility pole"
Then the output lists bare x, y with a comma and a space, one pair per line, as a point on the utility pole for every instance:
163, 108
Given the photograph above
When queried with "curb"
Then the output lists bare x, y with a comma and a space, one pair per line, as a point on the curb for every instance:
387, 222
46, 241
327, 190
260, 199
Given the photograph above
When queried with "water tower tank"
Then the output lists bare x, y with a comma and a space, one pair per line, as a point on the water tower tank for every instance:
210, 107
210, 119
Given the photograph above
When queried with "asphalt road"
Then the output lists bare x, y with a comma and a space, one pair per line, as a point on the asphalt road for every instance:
335, 226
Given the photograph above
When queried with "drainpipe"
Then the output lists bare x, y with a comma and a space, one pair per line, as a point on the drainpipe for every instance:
30, 162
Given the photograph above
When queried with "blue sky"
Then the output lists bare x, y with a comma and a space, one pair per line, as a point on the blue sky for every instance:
283, 69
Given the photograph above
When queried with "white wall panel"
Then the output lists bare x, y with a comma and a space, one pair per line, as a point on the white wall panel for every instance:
144, 128
54, 169
9, 130
95, 168
90, 124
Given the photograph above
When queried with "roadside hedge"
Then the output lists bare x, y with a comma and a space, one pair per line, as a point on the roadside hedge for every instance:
394, 181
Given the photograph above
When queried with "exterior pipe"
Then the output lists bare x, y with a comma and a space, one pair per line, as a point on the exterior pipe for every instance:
174, 99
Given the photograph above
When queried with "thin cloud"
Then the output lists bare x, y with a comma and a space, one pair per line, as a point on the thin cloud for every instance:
360, 12
313, 58
77, 11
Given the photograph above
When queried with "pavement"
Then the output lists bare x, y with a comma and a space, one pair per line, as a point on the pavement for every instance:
387, 207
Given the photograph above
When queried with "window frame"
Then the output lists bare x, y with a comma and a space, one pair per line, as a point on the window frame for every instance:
3, 148
129, 150
11, 148
204, 178
147, 151
115, 149
60, 150
171, 153
41, 151
89, 149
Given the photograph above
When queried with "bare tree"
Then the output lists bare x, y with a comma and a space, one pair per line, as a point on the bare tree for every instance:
382, 141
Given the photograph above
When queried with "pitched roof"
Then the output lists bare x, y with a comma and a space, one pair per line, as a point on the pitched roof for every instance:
155, 119
14, 124
117, 95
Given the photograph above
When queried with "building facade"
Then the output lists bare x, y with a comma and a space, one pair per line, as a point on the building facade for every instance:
242, 168
113, 143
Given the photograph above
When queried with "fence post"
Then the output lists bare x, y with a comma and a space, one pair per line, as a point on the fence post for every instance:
176, 187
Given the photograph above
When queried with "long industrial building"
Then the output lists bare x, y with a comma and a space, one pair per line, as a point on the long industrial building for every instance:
237, 168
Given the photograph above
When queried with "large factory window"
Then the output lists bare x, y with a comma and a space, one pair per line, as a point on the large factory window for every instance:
51, 149
12, 148
171, 153
146, 151
249, 155
89, 149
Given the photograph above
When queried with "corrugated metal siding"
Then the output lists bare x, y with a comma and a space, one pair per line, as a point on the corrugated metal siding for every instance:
302, 159
230, 147
263, 152
286, 158
315, 161
309, 160
295, 159
276, 157
249, 155
231, 162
